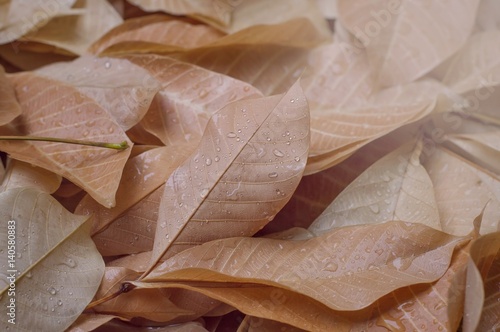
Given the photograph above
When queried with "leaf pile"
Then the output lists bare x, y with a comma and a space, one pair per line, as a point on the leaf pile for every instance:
279, 176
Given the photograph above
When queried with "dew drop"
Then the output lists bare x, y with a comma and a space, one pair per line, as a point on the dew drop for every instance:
52, 290
208, 162
163, 225
70, 262
375, 208
268, 139
217, 159
331, 267
292, 100
273, 175
231, 135
107, 65
59, 303
296, 159
278, 153
204, 193
203, 93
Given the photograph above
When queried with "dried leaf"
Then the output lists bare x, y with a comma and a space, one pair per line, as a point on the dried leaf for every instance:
402, 45
391, 255
123, 89
397, 187
159, 29
482, 304
24, 17
57, 269
23, 175
53, 109
476, 65
77, 31
462, 189
28, 60
9, 107
247, 165
189, 95
89, 322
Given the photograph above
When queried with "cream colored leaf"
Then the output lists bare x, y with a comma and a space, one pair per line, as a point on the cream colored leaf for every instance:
189, 95
482, 304
332, 268
462, 189
159, 29
9, 107
248, 163
123, 89
58, 269
407, 39
24, 17
76, 32
53, 109
19, 175
476, 66
397, 187
487, 17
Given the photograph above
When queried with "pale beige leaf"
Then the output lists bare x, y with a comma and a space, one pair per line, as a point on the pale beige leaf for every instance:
481, 148
58, 266
135, 262
189, 95
76, 32
390, 255
407, 39
336, 133
328, 8
397, 187
159, 29
476, 66
24, 17
248, 163
462, 189
4, 11
19, 175
482, 304
487, 17
9, 107
123, 89
53, 109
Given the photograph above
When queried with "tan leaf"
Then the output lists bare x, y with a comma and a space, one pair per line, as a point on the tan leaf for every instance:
23, 175
58, 268
142, 175
15, 54
53, 109
482, 304
25, 17
75, 32
159, 29
189, 95
332, 268
487, 15
476, 65
123, 89
403, 45
9, 107
247, 165
89, 322
397, 187
462, 189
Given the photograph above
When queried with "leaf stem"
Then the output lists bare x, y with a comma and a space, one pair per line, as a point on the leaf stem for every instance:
116, 146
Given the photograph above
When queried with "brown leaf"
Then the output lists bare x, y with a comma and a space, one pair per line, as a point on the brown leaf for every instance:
397, 187
482, 304
120, 87
401, 45
9, 107
25, 17
247, 165
53, 109
74, 31
160, 29
391, 255
189, 95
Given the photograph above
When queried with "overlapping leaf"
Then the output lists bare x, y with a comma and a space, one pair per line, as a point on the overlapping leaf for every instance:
9, 107
57, 268
53, 109
245, 169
